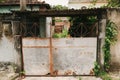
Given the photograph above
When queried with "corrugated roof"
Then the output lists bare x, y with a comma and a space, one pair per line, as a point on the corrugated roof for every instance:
18, 1
51, 12
69, 12
6, 8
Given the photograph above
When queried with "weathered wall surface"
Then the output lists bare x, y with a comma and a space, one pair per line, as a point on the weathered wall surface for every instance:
7, 51
114, 15
9, 58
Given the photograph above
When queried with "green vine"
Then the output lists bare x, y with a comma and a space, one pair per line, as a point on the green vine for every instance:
110, 39
97, 70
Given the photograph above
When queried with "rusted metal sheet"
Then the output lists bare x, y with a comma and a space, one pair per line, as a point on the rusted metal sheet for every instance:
65, 56
75, 42
35, 42
74, 56
36, 56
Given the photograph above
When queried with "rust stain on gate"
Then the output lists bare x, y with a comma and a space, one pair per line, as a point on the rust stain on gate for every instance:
51, 54
61, 56
58, 57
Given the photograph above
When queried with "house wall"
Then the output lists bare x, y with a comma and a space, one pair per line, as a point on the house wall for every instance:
87, 5
7, 51
114, 15
9, 42
78, 4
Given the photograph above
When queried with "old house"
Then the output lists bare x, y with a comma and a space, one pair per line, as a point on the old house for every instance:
78, 4
26, 40
60, 56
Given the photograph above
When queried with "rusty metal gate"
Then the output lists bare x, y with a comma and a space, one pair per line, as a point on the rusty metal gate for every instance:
70, 56
59, 56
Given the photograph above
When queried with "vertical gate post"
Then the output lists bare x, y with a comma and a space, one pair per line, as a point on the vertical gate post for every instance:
48, 24
51, 52
101, 37
17, 41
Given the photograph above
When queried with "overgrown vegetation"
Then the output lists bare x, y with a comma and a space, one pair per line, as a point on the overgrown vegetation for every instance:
111, 3
110, 39
97, 69
59, 7
61, 35
100, 73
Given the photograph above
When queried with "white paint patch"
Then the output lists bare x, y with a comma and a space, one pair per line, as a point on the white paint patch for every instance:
7, 50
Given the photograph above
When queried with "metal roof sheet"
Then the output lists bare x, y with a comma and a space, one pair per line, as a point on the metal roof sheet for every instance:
67, 12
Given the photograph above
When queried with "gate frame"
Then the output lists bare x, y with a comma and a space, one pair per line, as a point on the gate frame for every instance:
102, 18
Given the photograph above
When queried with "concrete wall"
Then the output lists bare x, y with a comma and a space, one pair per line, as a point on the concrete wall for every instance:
114, 15
7, 51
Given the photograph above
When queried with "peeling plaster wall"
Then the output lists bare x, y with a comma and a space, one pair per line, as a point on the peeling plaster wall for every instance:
7, 51
114, 15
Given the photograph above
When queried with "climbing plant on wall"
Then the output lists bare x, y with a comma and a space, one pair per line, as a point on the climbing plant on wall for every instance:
110, 39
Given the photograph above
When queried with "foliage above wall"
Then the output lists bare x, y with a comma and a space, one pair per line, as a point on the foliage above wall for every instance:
110, 39
59, 7
64, 34
113, 3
